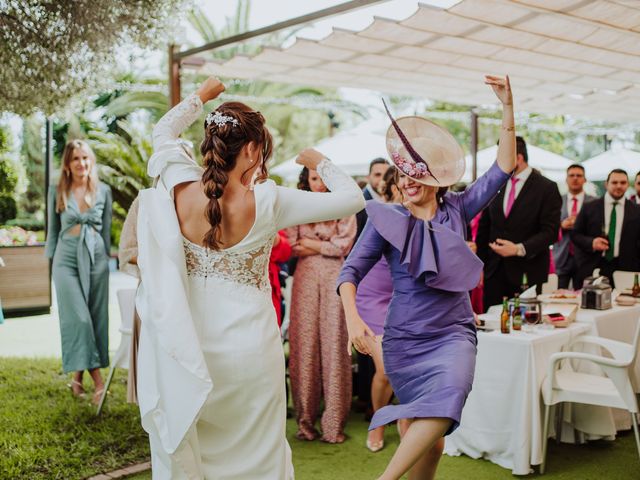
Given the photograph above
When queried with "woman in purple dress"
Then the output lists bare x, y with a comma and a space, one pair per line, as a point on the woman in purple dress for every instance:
429, 343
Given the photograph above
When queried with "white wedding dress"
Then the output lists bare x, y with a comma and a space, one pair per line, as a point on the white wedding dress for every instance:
212, 372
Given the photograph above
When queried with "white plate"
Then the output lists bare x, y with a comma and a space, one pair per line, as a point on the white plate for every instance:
547, 298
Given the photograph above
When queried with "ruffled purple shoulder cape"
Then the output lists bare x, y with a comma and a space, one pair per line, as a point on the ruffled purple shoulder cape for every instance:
431, 252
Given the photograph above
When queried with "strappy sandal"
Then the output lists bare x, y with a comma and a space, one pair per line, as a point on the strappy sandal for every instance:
79, 393
97, 395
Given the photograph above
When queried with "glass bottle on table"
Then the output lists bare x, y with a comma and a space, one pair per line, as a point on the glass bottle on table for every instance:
525, 282
516, 319
505, 317
635, 291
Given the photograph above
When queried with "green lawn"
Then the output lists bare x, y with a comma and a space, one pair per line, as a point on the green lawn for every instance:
47, 434
318, 461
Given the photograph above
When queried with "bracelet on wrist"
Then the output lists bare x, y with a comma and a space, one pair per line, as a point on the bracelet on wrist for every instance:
512, 128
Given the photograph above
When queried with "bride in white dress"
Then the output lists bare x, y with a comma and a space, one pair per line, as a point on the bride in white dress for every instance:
211, 364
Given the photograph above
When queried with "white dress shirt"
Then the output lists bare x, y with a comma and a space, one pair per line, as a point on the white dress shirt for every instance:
372, 191
522, 176
608, 204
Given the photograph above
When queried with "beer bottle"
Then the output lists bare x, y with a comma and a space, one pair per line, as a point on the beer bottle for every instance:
504, 317
635, 291
516, 322
525, 282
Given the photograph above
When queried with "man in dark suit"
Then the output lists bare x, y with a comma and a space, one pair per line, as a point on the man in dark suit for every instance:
607, 231
377, 169
516, 230
564, 249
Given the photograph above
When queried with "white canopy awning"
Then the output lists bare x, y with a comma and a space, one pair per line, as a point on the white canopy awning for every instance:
551, 164
352, 150
564, 56
597, 168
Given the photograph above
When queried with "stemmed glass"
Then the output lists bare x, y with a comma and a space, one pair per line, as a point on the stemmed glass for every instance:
531, 318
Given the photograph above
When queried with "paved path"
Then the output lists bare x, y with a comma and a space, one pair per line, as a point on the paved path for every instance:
39, 335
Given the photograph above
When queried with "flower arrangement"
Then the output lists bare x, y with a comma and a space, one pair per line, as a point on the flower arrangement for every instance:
410, 168
16, 236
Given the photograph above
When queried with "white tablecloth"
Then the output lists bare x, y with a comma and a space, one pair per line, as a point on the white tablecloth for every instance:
502, 419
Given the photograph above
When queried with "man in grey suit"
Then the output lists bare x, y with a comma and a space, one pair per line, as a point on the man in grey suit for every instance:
564, 249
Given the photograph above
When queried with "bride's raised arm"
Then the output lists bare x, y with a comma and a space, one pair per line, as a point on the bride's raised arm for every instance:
170, 161
295, 207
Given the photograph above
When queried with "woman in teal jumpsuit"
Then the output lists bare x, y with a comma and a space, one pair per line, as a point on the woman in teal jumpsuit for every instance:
78, 241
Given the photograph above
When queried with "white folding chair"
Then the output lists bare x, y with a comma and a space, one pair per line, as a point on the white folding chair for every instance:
623, 279
551, 285
612, 390
127, 303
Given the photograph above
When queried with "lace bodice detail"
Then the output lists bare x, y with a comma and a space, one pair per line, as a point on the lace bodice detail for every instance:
247, 268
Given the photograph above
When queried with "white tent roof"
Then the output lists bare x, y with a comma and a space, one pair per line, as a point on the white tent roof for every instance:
564, 56
352, 150
551, 164
598, 167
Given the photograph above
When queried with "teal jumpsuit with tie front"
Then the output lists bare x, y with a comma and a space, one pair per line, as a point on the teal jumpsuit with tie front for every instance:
81, 277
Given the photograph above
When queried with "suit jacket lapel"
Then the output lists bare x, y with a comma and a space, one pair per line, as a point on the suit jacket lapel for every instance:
628, 213
564, 213
600, 215
500, 204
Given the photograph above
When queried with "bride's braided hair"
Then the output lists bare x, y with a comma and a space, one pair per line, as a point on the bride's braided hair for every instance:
220, 149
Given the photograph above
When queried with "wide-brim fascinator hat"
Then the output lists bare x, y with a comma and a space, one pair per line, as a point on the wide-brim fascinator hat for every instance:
424, 151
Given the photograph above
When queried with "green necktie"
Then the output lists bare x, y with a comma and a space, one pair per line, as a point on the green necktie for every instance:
612, 232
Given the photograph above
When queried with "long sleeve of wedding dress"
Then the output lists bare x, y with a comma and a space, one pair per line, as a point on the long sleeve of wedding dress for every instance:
295, 207
170, 160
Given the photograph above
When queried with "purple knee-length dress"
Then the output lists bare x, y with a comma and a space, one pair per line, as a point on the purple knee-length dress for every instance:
429, 342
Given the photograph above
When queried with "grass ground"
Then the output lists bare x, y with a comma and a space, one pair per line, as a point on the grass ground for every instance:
351, 461
47, 434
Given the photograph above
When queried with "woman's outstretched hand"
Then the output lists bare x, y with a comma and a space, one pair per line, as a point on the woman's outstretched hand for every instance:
210, 89
309, 158
358, 331
501, 87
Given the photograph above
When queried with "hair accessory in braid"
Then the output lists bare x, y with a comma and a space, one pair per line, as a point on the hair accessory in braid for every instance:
220, 119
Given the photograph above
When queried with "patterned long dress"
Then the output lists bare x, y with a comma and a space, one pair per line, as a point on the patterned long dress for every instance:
318, 359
